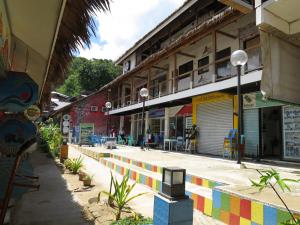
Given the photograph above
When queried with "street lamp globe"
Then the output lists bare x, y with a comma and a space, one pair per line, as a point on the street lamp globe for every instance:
144, 92
108, 105
239, 58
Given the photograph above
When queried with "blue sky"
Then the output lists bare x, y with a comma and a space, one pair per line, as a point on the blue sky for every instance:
125, 24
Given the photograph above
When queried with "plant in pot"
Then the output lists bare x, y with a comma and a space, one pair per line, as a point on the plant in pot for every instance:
87, 180
82, 174
76, 164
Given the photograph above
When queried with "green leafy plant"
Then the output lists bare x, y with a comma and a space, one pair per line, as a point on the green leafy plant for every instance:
68, 163
121, 195
133, 221
75, 165
271, 178
51, 137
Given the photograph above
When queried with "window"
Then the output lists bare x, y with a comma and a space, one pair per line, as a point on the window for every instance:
187, 67
253, 51
223, 67
203, 64
127, 66
154, 91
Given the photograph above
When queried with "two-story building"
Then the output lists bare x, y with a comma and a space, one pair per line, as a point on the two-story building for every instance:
184, 62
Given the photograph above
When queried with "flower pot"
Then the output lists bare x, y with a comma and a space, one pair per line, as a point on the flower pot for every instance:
81, 175
87, 182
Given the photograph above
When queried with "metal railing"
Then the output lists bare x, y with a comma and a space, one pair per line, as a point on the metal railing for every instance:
198, 77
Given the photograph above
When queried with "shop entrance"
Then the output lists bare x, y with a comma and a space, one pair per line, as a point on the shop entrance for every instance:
271, 132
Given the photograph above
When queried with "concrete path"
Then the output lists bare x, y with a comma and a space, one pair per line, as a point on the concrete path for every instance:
53, 204
217, 169
143, 204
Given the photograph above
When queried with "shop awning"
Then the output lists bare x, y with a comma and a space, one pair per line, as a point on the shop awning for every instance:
186, 110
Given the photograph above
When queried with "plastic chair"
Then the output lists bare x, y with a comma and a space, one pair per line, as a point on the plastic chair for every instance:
120, 140
131, 141
179, 143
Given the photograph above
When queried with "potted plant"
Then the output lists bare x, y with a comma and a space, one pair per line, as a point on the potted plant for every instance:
87, 180
82, 175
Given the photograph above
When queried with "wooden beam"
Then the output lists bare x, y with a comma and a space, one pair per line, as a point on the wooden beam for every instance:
160, 68
226, 34
139, 77
186, 54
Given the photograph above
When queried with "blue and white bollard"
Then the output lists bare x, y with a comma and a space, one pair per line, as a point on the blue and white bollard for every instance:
177, 212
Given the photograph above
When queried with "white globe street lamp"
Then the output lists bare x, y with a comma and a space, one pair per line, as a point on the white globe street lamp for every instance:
108, 107
238, 59
144, 94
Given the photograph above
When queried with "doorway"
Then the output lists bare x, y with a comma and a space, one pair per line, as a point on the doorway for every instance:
271, 132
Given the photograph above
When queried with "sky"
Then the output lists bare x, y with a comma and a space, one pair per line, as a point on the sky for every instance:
125, 24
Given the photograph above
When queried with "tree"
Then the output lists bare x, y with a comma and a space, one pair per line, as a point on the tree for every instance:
87, 76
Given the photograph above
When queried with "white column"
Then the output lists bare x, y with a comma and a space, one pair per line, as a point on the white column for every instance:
167, 119
121, 122
132, 125
146, 122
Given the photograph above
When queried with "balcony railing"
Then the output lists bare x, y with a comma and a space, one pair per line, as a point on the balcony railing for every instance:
198, 77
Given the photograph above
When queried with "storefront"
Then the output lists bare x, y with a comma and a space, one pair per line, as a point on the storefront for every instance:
214, 116
271, 128
180, 120
156, 124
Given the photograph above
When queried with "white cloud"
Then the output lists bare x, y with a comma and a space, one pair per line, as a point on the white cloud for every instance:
127, 22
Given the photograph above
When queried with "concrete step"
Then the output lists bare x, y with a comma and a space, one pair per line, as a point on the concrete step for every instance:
202, 196
190, 178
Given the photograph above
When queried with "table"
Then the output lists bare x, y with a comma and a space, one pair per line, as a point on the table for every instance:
171, 142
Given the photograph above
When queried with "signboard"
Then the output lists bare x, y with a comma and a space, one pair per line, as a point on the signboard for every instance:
32, 112
86, 129
157, 113
188, 123
256, 100
291, 132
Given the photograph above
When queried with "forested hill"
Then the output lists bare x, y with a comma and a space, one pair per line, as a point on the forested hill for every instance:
86, 76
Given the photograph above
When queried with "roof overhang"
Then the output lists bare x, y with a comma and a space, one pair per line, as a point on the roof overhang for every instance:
280, 14
30, 30
162, 25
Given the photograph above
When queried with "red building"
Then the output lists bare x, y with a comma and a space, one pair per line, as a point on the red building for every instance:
90, 109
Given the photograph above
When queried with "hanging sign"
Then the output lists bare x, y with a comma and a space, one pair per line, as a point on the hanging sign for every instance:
32, 113
17, 92
14, 132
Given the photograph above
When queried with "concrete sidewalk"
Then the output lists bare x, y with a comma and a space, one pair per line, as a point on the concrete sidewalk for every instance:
53, 204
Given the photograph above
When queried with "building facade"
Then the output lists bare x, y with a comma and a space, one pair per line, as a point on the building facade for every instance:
184, 63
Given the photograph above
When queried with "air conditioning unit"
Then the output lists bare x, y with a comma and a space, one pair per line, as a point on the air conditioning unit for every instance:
94, 108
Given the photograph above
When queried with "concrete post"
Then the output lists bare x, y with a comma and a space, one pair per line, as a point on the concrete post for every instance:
168, 212
146, 121
167, 119
121, 122
132, 125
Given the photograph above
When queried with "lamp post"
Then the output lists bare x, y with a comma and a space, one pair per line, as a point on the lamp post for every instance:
144, 94
238, 59
173, 183
108, 107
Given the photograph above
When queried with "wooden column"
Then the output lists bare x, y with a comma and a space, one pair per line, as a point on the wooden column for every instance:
214, 50
149, 82
175, 74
